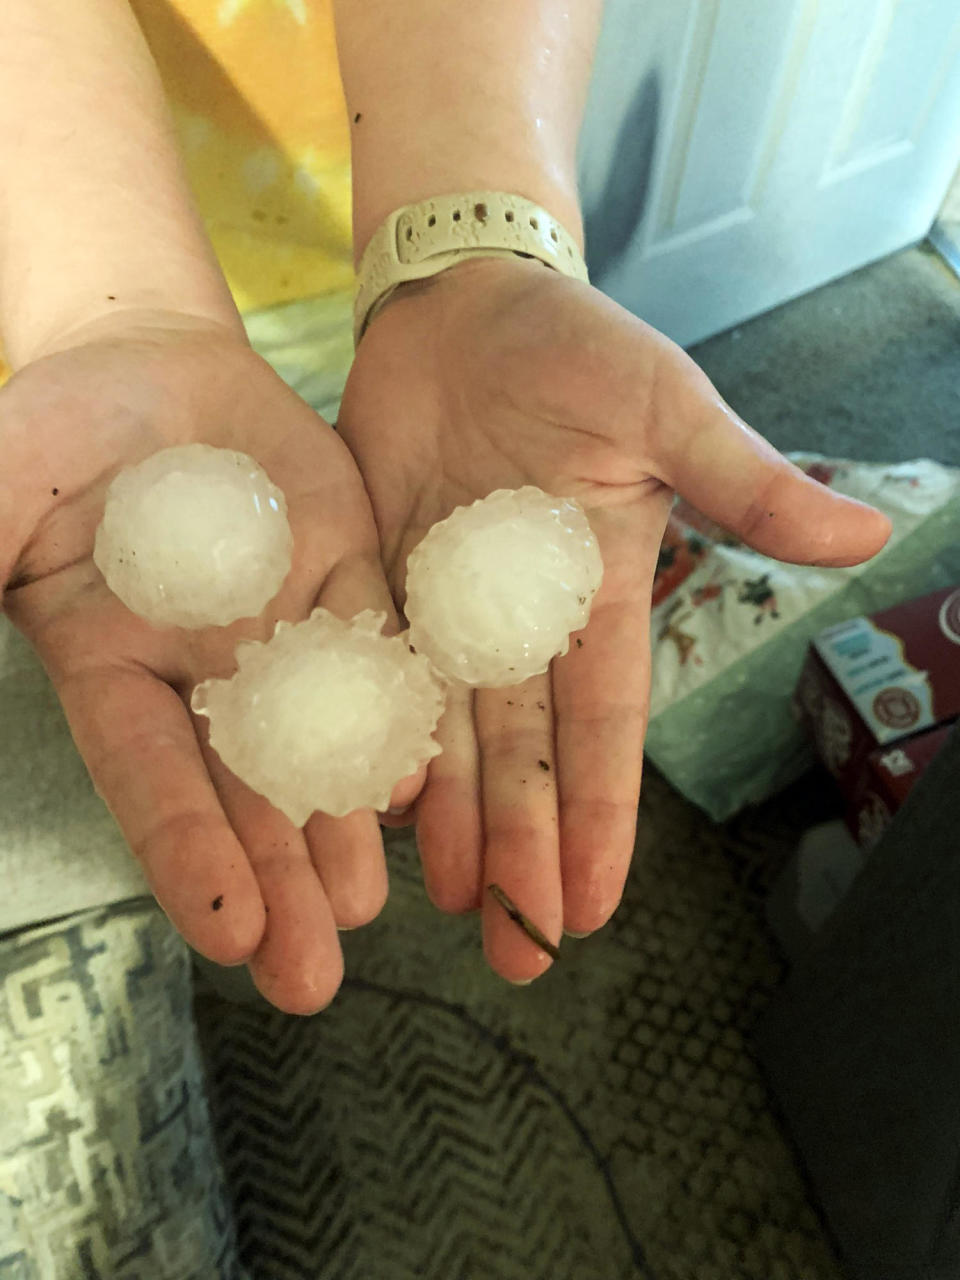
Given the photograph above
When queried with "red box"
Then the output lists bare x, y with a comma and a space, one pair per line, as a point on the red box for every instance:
873, 682
890, 776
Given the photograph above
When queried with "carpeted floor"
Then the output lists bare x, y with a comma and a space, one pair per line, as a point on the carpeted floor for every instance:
608, 1122
866, 367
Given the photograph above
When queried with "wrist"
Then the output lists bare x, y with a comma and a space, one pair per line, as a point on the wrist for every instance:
443, 97
433, 236
191, 294
149, 263
122, 323
378, 193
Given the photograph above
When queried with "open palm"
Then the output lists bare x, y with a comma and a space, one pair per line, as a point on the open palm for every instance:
234, 876
499, 374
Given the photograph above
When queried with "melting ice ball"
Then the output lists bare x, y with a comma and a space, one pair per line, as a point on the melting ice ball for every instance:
326, 715
194, 537
494, 591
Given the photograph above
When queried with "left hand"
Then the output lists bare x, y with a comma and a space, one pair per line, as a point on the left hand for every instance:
499, 374
234, 875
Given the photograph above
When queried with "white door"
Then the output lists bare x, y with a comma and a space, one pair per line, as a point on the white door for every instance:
736, 153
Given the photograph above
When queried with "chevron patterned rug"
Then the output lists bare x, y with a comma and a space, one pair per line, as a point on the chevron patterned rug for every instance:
606, 1123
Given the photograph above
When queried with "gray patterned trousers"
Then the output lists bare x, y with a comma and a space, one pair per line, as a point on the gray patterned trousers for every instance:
108, 1167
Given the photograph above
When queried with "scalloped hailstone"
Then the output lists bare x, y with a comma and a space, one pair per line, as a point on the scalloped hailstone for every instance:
494, 591
326, 715
194, 537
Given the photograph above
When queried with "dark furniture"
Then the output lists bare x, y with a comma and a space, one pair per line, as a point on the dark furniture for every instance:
861, 1047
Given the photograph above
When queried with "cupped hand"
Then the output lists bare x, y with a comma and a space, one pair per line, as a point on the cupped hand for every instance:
499, 374
238, 880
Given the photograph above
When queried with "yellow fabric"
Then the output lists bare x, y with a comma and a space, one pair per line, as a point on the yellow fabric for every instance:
254, 86
256, 96
255, 91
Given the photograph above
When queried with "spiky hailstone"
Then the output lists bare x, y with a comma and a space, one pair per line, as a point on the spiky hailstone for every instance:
494, 591
194, 537
326, 715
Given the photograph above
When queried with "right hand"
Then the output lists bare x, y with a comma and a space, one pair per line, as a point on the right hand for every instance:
110, 396
568, 392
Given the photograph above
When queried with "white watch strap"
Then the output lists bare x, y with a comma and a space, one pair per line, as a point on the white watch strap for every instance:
423, 239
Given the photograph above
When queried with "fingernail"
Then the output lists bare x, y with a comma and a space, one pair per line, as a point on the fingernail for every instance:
568, 933
519, 982
395, 810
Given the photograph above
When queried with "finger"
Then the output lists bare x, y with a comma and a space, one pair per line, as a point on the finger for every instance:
449, 823
651, 396
403, 800
601, 699
398, 817
298, 965
728, 471
144, 759
521, 841
348, 856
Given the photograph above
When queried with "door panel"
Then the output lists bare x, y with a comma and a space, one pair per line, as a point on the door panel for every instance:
796, 140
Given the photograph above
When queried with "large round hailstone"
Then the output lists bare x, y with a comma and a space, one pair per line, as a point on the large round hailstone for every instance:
494, 591
194, 537
326, 715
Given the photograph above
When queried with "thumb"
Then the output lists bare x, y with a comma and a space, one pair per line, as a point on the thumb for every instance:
730, 473
690, 439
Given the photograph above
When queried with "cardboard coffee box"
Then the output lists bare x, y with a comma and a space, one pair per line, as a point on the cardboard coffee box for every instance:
876, 694
890, 776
